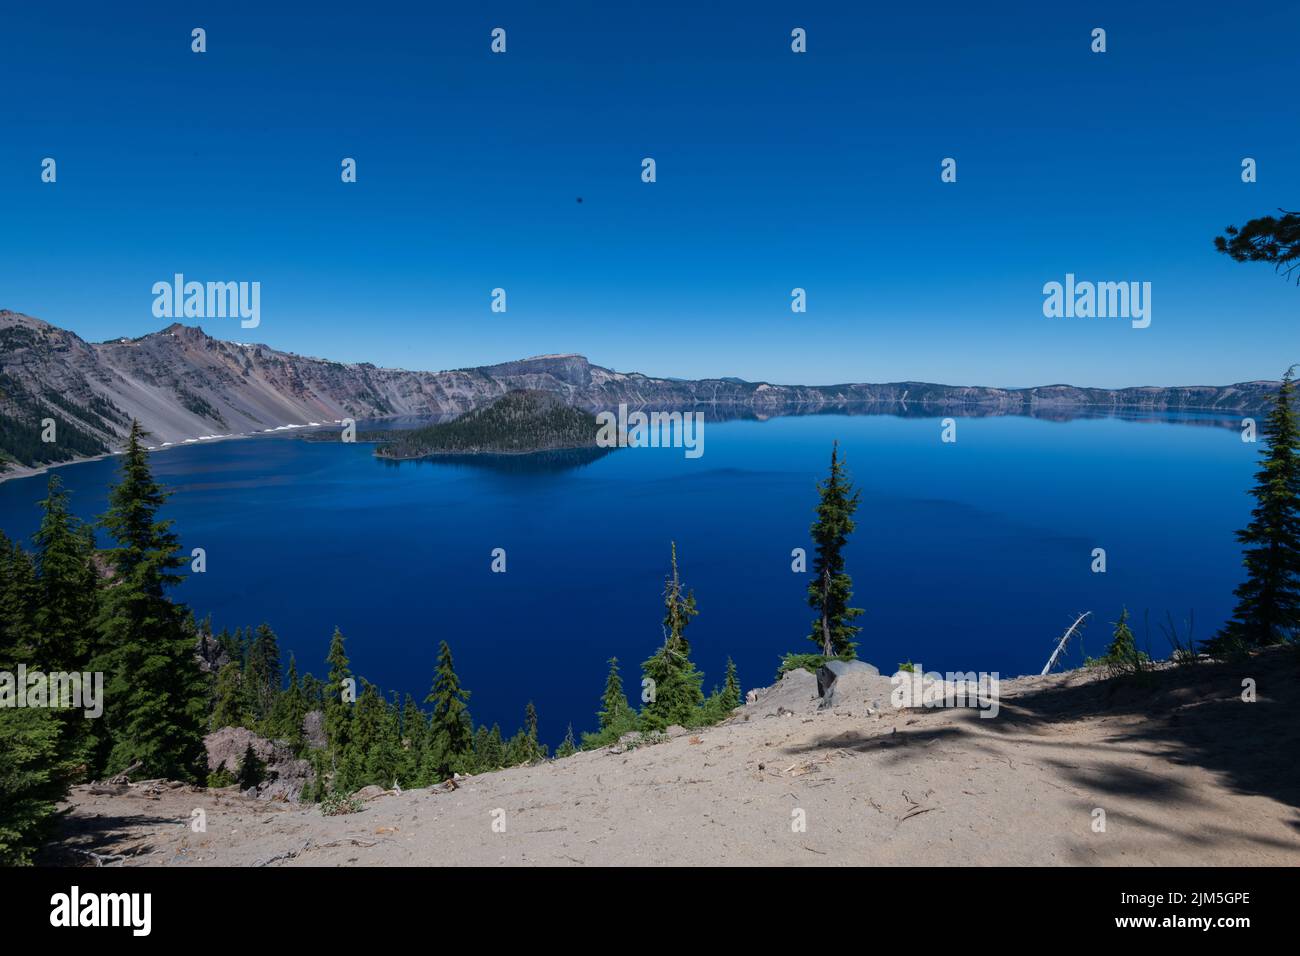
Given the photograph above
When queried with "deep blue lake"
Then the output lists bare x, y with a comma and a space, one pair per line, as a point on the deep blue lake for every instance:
968, 556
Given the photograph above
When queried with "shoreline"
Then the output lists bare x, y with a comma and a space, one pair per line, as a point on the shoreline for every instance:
19, 471
481, 453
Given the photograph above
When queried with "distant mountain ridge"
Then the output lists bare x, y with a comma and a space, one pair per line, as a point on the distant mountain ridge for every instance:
184, 385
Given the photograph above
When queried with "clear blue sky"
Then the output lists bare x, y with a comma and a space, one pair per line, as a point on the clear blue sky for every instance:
775, 170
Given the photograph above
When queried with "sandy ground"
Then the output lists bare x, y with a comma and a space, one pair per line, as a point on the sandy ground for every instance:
1184, 769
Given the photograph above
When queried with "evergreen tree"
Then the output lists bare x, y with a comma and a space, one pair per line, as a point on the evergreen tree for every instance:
450, 739
831, 588
415, 744
230, 645
34, 775
730, 689
43, 623
313, 692
66, 586
677, 684
495, 753
351, 773
567, 746
319, 786
18, 600
290, 710
338, 702
614, 709
518, 749
482, 742
1268, 601
533, 748
251, 770
262, 673
375, 749
228, 710
1265, 239
530, 720
1122, 643
156, 695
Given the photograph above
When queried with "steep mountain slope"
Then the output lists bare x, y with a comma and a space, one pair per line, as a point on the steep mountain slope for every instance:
182, 384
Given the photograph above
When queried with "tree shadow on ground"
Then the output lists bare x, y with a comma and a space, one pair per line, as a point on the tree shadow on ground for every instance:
1190, 715
80, 839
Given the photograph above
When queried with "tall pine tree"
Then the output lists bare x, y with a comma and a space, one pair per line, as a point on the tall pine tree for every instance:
340, 694
614, 708
450, 736
35, 772
290, 710
1268, 601
535, 749
66, 586
415, 744
40, 748
155, 693
731, 688
678, 693
831, 588
263, 676
18, 600
227, 710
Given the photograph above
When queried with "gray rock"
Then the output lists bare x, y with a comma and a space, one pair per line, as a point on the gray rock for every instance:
286, 775
861, 690
831, 671
211, 655
795, 692
313, 729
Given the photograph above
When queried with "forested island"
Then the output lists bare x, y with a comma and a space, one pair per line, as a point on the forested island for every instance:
517, 423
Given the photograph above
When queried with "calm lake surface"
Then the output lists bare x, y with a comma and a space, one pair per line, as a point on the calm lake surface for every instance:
967, 556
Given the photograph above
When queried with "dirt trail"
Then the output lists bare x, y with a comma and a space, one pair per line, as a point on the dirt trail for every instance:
1185, 770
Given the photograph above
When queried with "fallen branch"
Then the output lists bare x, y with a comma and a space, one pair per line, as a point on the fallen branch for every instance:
288, 855
125, 776
100, 859
1051, 661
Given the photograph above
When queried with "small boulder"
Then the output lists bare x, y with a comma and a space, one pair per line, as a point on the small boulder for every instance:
796, 692
843, 683
831, 671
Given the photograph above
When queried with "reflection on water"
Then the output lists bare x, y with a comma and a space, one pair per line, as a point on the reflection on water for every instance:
1053, 413
535, 463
